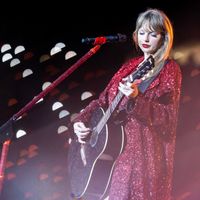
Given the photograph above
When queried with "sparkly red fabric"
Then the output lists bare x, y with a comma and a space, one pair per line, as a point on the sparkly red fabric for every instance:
144, 170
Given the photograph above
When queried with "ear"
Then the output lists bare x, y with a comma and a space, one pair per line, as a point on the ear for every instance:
135, 38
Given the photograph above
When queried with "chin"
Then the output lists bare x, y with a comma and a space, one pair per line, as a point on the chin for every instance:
147, 52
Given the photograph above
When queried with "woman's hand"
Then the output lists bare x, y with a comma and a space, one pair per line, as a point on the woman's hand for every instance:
81, 131
129, 89
126, 88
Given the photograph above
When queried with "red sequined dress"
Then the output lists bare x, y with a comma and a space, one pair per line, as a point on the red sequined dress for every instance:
144, 170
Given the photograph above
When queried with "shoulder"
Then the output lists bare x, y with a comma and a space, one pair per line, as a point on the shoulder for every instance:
128, 66
172, 66
132, 62
172, 70
172, 62
135, 60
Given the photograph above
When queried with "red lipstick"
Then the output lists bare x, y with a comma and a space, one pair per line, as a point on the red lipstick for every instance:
145, 45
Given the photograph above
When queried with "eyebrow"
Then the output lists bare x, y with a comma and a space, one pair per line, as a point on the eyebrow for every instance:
150, 31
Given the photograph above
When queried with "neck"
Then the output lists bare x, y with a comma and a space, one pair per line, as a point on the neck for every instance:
146, 55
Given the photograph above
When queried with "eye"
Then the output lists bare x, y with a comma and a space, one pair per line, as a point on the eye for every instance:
154, 34
141, 32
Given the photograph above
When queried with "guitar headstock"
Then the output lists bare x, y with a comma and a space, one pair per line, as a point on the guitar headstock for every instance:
145, 67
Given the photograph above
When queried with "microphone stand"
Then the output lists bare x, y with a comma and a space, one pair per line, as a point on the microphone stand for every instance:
6, 132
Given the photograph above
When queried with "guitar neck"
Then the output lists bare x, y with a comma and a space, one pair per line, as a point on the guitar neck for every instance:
109, 112
147, 65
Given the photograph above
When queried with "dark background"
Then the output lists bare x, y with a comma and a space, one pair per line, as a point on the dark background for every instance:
37, 164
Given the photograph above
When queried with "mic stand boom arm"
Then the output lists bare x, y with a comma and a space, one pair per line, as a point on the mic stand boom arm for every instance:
6, 132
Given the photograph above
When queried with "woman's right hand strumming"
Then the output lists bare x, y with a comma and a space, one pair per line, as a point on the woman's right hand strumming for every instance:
81, 131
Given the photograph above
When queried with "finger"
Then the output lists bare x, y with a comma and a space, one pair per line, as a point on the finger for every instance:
120, 89
129, 84
137, 81
121, 84
125, 79
77, 125
84, 128
81, 141
82, 125
81, 133
84, 134
126, 91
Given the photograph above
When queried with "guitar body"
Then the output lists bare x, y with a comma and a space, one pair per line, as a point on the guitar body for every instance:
90, 165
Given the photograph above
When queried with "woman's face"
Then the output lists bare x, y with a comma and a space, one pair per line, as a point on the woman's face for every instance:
149, 41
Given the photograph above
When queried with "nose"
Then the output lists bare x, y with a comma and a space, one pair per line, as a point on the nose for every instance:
146, 37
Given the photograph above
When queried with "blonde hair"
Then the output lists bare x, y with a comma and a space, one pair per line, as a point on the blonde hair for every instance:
158, 22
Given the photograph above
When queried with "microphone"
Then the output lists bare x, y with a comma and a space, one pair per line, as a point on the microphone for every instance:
104, 39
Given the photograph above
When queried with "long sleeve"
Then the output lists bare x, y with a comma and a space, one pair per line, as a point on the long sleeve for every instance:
160, 111
104, 98
145, 167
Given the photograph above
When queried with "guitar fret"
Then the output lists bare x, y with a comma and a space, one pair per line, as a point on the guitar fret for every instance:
108, 112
